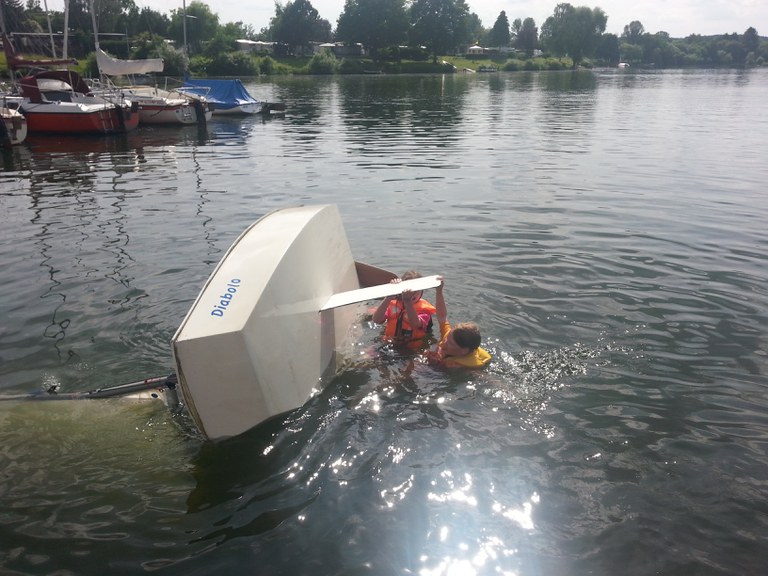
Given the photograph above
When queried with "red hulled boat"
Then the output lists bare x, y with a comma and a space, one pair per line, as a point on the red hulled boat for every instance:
60, 101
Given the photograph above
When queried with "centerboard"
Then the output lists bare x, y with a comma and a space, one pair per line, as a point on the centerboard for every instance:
380, 291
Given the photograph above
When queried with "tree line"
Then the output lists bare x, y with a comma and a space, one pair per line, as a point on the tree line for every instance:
388, 29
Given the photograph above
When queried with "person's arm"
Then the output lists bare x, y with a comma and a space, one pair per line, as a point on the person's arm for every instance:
440, 310
410, 310
380, 314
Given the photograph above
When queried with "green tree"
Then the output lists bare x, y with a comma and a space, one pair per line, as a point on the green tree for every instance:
201, 25
750, 40
631, 53
153, 22
174, 60
79, 17
111, 15
441, 25
608, 49
374, 23
633, 32
475, 31
16, 18
527, 37
146, 45
297, 24
733, 46
574, 32
500, 32
225, 40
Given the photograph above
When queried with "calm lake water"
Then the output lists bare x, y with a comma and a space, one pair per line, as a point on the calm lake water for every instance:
606, 229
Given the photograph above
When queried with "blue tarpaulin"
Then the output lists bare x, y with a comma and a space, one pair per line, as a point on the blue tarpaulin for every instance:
224, 94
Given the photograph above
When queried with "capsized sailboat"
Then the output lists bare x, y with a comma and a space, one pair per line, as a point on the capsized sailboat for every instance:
265, 332
256, 341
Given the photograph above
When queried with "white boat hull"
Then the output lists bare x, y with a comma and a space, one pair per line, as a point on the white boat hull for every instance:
158, 106
14, 129
255, 344
244, 109
165, 113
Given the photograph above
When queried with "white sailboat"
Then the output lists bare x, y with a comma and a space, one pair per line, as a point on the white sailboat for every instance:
156, 105
257, 340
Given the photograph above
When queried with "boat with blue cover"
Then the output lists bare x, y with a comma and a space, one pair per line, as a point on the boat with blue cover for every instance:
229, 96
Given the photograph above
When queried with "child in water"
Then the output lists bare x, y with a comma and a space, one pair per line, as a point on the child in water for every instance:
408, 317
459, 346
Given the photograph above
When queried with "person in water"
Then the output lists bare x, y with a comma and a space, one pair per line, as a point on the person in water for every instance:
408, 317
459, 346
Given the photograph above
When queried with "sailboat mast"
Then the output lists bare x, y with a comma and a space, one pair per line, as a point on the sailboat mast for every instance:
50, 28
66, 29
184, 24
92, 6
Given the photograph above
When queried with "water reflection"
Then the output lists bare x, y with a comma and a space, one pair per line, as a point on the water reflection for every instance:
568, 81
381, 104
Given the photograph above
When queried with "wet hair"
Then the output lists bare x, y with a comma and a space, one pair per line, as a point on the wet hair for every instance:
467, 335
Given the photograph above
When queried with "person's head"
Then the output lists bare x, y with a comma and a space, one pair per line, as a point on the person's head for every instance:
463, 339
411, 275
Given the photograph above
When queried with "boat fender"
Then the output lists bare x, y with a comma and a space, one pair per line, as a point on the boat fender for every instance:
120, 116
200, 110
134, 106
5, 138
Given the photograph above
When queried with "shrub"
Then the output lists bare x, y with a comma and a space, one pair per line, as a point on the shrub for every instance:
233, 64
400, 53
266, 65
513, 65
323, 63
198, 65
553, 64
416, 53
532, 65
175, 61
348, 66
91, 67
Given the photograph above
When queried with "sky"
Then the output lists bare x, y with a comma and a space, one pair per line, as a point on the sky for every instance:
679, 18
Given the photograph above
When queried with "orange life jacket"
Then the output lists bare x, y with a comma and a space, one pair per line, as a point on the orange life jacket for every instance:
397, 322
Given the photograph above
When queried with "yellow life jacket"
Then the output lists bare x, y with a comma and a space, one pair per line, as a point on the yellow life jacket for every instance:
478, 358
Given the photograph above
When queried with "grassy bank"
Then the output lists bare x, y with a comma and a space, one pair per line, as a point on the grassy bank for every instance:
328, 64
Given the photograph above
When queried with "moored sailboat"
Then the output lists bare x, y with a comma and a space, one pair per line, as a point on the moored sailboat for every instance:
60, 101
156, 105
13, 125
